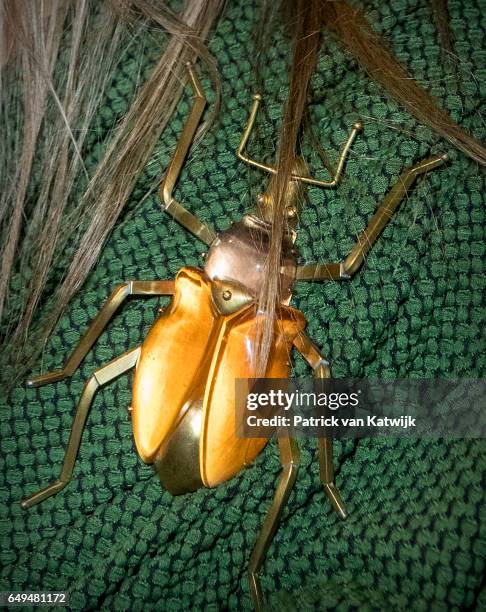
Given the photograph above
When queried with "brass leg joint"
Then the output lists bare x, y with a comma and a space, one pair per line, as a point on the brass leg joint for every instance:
326, 470
101, 376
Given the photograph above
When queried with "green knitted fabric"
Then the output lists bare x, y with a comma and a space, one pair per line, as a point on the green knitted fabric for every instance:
416, 533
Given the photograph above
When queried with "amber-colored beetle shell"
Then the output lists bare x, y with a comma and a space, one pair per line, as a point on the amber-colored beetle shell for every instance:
193, 354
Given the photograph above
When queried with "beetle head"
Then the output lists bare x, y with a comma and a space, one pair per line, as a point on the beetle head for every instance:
293, 195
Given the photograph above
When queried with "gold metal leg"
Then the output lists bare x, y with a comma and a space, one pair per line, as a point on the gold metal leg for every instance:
100, 377
93, 332
189, 221
326, 468
347, 268
257, 98
326, 462
290, 459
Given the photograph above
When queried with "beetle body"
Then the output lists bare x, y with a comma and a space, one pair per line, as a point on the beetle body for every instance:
183, 406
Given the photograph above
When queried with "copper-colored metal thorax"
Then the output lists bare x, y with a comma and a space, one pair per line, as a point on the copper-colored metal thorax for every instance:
239, 253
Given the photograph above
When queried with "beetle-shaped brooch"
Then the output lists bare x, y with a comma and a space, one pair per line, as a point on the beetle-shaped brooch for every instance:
188, 429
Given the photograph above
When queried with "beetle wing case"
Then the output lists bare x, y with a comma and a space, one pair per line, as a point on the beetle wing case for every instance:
184, 387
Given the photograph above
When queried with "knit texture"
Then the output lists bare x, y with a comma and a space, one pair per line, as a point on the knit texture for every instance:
416, 534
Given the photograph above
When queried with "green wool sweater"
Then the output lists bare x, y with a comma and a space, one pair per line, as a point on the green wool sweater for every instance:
416, 534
